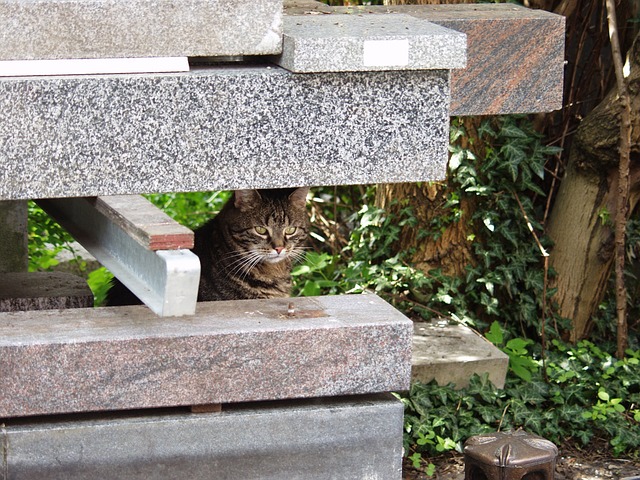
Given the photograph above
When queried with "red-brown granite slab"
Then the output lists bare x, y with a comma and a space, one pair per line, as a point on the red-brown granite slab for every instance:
515, 55
128, 358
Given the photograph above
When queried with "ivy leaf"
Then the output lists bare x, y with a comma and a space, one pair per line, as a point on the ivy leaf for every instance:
511, 130
494, 335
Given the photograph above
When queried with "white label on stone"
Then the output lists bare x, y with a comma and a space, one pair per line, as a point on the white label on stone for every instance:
27, 68
386, 53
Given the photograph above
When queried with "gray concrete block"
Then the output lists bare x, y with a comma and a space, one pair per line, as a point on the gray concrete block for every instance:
122, 358
43, 291
348, 439
52, 29
331, 43
453, 354
220, 129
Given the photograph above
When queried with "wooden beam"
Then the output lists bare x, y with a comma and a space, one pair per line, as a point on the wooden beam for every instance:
142, 221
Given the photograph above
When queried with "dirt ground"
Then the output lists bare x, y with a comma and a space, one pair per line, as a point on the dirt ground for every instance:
571, 464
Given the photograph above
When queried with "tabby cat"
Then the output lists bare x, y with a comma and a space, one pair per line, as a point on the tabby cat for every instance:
248, 249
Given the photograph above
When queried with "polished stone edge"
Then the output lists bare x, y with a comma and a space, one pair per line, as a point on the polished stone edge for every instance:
515, 55
137, 28
379, 42
127, 358
251, 126
350, 438
452, 354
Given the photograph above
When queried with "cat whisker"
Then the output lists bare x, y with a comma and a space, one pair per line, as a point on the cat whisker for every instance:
243, 263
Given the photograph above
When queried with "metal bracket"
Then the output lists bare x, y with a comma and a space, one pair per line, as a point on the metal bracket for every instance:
165, 280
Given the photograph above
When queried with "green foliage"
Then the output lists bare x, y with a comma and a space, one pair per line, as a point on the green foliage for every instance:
520, 361
190, 209
588, 394
506, 282
46, 239
503, 186
99, 281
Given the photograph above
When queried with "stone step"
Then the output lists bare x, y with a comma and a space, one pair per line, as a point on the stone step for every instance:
51, 29
350, 438
344, 43
515, 55
220, 129
124, 358
449, 353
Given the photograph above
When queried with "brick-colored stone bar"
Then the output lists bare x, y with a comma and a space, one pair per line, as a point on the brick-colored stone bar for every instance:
128, 358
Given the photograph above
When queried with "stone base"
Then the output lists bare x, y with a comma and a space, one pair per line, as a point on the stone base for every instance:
453, 354
346, 438
43, 291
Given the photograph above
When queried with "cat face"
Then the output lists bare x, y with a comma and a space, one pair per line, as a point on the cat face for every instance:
270, 226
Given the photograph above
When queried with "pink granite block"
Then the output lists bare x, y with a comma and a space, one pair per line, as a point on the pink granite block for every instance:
515, 58
128, 358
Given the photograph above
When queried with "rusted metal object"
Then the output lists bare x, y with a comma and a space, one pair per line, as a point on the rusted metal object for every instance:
509, 456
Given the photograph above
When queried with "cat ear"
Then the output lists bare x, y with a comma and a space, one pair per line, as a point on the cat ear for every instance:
299, 196
245, 200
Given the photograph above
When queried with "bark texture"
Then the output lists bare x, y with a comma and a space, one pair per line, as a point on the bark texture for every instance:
451, 252
581, 220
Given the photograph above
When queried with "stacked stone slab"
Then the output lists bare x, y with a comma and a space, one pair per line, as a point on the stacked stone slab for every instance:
213, 127
304, 382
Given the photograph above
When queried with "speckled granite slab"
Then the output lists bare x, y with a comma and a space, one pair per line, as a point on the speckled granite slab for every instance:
128, 358
51, 29
220, 129
515, 55
327, 43
352, 438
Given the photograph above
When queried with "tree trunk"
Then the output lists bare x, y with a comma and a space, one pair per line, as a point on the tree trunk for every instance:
580, 222
451, 251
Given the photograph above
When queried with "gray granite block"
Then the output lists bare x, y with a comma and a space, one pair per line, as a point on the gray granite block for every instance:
453, 354
219, 129
121, 358
329, 43
51, 29
515, 55
345, 438
43, 291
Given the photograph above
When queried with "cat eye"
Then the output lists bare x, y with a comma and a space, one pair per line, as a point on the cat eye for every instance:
290, 230
261, 230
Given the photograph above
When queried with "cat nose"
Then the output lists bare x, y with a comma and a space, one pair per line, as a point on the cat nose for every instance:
278, 249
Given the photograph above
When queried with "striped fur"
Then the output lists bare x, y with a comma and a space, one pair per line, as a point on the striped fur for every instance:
248, 249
